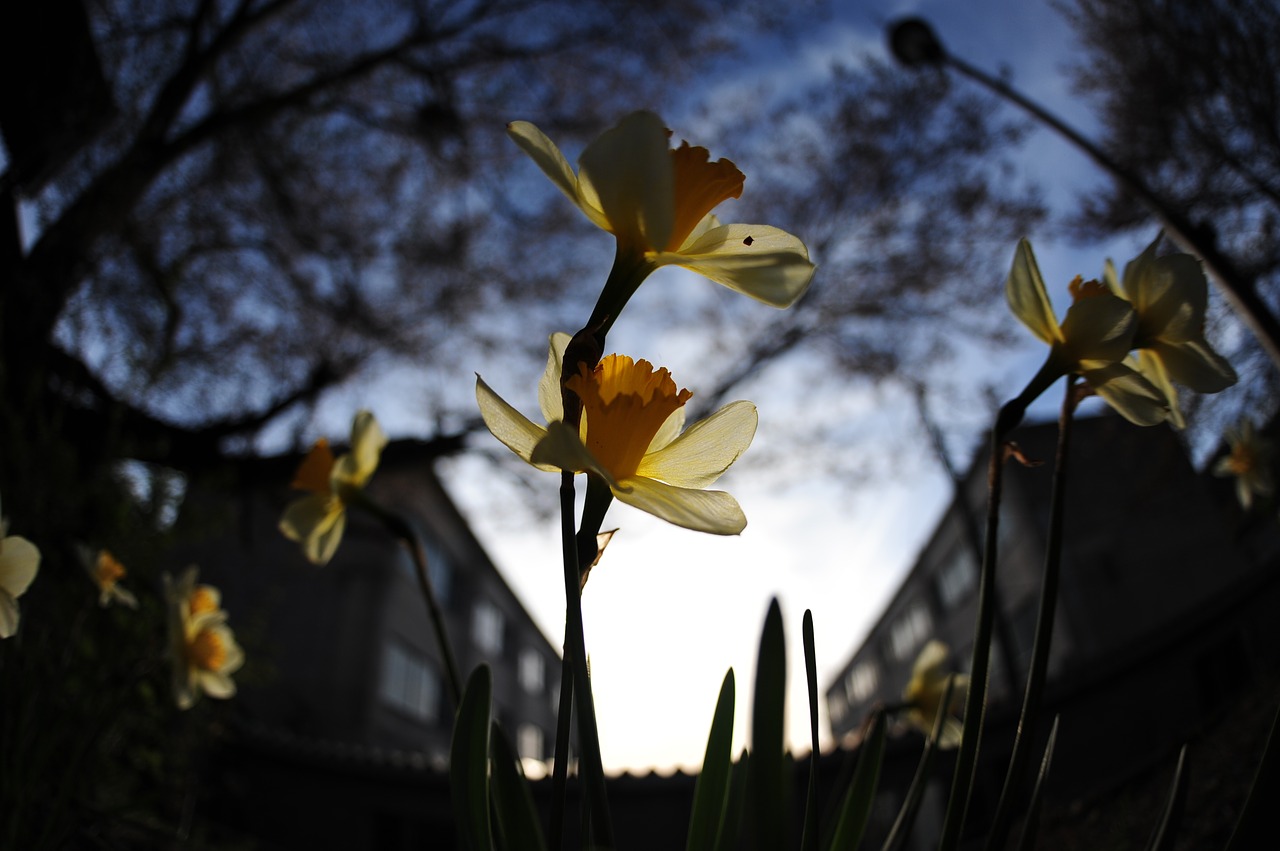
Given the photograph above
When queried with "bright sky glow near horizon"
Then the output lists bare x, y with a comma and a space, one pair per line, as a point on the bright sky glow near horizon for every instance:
668, 611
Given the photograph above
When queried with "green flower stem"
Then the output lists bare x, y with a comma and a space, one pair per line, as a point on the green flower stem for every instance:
560, 767
975, 701
588, 732
1044, 629
629, 271
402, 529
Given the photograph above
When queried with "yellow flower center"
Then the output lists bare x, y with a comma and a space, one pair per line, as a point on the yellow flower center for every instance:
108, 571
207, 650
202, 600
700, 186
625, 403
313, 473
1080, 288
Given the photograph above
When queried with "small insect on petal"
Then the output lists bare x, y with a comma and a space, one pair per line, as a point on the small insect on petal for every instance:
747, 242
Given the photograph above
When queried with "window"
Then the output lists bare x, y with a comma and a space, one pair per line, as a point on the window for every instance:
835, 709
529, 742
958, 576
862, 681
532, 670
910, 630
439, 571
486, 627
409, 684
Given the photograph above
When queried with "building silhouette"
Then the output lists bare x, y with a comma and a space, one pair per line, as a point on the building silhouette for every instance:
1164, 614
344, 655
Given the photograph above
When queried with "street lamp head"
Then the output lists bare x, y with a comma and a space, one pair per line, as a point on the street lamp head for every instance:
913, 43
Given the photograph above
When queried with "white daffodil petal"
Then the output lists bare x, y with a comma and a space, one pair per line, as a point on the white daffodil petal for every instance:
709, 223
510, 426
1027, 297
1175, 299
701, 455
1099, 328
715, 512
929, 663
1111, 279
320, 546
763, 262
952, 733
367, 442
562, 449
216, 684
8, 614
1137, 286
1133, 397
553, 164
308, 516
1150, 368
550, 394
629, 169
19, 561
668, 431
1193, 364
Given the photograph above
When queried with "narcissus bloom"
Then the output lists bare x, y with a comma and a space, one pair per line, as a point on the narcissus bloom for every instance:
1250, 461
630, 437
202, 649
1092, 341
19, 562
317, 521
1170, 295
106, 572
657, 202
926, 689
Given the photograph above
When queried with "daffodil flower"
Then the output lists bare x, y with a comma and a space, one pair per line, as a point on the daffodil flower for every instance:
630, 437
1092, 340
318, 521
202, 648
657, 202
106, 572
1249, 461
19, 562
1170, 295
926, 689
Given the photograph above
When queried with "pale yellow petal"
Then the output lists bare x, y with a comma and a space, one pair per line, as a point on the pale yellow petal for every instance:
1133, 397
701, 455
507, 424
562, 449
952, 733
123, 596
367, 443
928, 665
547, 156
628, 169
316, 522
1098, 328
19, 561
763, 262
1027, 297
8, 614
715, 512
668, 431
1195, 365
550, 395
216, 684
1150, 368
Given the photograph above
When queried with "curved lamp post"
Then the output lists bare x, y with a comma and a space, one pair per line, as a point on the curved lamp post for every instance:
914, 44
